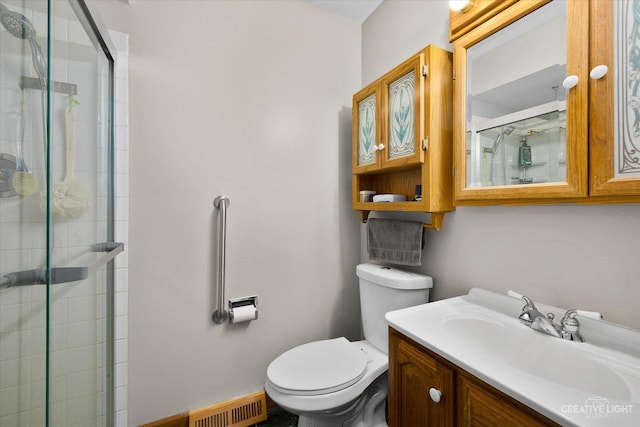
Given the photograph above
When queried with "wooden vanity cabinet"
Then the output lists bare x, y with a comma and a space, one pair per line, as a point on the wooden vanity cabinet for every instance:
412, 374
602, 150
402, 136
482, 405
415, 373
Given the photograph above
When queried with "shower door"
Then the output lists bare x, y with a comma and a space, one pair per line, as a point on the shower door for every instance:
56, 216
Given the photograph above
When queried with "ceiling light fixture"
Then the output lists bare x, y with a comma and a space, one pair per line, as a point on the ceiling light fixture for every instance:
460, 5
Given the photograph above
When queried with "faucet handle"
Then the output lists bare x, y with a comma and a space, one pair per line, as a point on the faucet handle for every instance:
525, 317
569, 318
529, 304
571, 326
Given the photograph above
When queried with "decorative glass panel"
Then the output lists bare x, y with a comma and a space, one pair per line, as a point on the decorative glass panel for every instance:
401, 117
367, 130
626, 89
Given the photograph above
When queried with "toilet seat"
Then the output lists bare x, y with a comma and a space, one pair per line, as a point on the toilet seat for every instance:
318, 368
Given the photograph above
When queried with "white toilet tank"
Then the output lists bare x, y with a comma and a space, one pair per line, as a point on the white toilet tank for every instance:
384, 289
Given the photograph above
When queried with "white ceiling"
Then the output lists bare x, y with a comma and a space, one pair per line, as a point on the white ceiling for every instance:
356, 10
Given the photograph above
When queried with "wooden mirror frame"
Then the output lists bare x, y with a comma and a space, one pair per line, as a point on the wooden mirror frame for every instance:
576, 185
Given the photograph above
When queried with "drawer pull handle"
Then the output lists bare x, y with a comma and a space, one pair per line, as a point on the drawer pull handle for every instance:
435, 394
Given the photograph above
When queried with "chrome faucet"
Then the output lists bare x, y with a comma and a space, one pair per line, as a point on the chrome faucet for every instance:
568, 328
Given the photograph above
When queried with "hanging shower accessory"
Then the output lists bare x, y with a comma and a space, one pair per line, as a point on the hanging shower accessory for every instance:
15, 176
68, 198
22, 181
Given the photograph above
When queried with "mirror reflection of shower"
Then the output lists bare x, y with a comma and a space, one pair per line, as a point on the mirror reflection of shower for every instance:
494, 149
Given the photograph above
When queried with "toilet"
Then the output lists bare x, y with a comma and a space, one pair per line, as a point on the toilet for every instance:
336, 382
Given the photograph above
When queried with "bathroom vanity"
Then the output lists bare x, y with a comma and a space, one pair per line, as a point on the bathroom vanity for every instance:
418, 376
469, 361
424, 386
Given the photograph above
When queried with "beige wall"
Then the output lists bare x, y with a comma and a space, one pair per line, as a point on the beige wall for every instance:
566, 255
251, 100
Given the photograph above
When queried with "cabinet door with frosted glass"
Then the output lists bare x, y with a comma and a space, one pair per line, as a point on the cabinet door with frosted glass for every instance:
366, 129
403, 123
614, 90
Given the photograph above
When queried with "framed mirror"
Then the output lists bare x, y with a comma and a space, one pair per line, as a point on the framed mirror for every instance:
520, 128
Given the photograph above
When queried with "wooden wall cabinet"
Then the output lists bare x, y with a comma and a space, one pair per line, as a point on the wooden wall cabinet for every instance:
417, 375
614, 141
402, 136
389, 119
600, 156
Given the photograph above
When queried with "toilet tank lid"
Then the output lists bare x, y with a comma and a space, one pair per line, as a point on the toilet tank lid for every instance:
393, 277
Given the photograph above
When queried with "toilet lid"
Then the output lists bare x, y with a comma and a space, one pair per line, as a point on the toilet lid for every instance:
318, 367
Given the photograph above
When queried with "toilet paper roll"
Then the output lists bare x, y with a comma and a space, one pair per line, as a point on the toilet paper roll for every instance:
243, 313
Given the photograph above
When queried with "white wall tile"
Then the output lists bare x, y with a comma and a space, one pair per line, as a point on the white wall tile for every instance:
121, 351
120, 398
120, 379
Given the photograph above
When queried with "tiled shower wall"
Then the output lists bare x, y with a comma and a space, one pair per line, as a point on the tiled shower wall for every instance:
121, 42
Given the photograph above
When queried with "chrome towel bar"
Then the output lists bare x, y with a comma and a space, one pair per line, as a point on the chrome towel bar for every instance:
221, 202
99, 255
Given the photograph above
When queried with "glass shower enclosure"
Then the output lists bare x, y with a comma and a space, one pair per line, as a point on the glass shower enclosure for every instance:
56, 215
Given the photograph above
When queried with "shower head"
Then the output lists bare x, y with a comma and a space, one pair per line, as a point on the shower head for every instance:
19, 26
506, 131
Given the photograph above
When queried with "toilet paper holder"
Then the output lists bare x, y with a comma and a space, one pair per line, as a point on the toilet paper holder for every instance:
243, 309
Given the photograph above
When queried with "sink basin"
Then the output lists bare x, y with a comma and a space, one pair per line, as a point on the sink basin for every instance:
561, 362
480, 333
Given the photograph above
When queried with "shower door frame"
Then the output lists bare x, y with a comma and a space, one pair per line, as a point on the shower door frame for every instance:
98, 33
96, 306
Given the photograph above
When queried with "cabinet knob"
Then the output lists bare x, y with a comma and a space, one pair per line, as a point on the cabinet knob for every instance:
599, 72
570, 82
380, 147
435, 394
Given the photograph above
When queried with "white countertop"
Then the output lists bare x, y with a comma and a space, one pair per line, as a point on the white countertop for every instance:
595, 383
